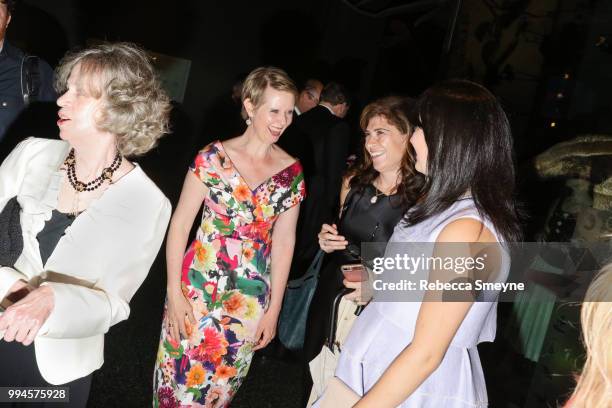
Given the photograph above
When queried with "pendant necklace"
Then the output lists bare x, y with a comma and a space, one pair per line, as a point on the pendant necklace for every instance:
374, 199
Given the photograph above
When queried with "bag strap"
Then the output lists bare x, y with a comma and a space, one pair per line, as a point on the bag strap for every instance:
315, 266
348, 202
333, 318
311, 272
30, 78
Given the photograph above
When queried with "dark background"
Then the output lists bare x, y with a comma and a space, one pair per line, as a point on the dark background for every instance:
521, 49
540, 58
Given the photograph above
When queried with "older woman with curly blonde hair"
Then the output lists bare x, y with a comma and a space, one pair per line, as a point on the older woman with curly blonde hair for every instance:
91, 222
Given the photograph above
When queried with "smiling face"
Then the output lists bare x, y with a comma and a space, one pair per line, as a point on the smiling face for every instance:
385, 144
420, 147
273, 115
78, 109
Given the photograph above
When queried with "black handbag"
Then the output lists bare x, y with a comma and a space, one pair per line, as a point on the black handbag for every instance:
11, 238
299, 293
298, 296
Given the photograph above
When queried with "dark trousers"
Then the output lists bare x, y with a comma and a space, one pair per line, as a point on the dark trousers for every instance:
19, 369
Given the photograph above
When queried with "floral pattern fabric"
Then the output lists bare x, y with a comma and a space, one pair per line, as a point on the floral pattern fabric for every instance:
225, 276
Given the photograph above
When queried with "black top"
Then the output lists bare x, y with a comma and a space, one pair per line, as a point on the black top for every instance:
362, 221
52, 232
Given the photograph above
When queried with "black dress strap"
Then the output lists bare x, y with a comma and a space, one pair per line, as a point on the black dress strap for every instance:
348, 202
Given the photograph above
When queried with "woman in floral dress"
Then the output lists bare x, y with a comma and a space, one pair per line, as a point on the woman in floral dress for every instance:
225, 294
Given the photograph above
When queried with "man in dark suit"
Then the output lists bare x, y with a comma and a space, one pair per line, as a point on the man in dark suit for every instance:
309, 96
23, 79
320, 139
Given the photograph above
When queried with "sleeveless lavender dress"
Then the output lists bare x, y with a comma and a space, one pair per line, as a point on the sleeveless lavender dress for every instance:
385, 329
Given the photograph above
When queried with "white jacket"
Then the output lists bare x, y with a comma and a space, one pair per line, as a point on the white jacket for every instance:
98, 264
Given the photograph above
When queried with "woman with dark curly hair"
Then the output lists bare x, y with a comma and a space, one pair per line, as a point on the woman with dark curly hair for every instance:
422, 351
90, 222
376, 193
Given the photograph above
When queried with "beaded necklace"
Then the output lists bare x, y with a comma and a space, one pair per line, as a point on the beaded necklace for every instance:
79, 186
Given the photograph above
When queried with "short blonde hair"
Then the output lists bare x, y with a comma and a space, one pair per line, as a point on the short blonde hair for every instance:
594, 388
135, 107
260, 78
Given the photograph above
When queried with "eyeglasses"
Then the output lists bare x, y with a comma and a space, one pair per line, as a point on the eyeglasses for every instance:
312, 96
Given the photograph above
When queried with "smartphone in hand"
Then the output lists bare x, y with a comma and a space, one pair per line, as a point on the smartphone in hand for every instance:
354, 272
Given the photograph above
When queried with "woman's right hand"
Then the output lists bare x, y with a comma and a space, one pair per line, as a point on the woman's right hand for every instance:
179, 314
329, 240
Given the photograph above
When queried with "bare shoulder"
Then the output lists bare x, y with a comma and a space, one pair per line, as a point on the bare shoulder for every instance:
344, 189
346, 182
466, 230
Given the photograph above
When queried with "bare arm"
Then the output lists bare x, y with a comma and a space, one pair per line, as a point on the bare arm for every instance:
190, 201
436, 326
283, 242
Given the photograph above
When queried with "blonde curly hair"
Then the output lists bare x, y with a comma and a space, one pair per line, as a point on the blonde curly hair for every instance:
134, 106
594, 387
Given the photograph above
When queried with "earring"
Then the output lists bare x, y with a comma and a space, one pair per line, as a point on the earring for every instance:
248, 121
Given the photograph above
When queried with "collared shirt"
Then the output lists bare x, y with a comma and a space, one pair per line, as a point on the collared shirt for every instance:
328, 108
297, 110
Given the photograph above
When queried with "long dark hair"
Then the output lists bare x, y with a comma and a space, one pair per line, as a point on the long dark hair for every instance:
469, 146
395, 110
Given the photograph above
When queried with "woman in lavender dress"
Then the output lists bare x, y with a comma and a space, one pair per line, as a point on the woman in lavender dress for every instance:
410, 352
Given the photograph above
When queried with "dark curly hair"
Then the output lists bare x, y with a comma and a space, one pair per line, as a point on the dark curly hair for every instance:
395, 110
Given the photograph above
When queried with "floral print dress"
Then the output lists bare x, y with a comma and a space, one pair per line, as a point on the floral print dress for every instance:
225, 276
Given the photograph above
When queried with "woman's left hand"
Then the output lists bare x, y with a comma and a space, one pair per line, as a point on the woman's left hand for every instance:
22, 320
266, 330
